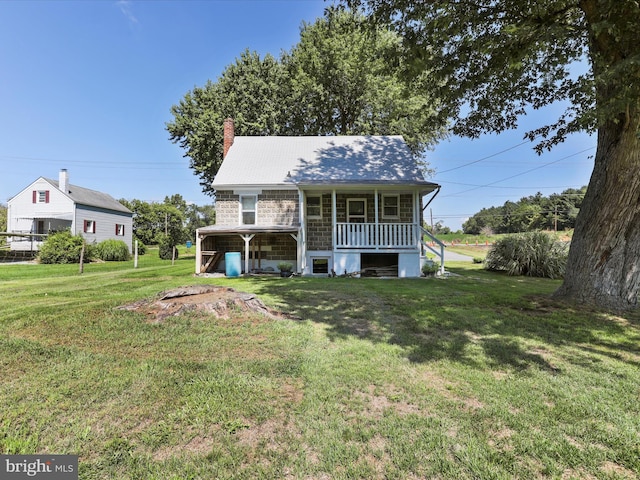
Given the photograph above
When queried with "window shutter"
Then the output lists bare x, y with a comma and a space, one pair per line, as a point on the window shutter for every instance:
35, 196
84, 228
116, 229
46, 196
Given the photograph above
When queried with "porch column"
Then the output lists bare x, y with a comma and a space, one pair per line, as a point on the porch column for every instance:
198, 251
299, 262
302, 233
377, 227
247, 238
334, 217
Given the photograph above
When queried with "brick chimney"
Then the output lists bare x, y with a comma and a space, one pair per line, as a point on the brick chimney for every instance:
229, 135
63, 180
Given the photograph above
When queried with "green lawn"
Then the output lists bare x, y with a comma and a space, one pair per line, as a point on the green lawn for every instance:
477, 375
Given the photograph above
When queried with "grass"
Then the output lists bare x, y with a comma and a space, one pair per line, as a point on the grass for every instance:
478, 375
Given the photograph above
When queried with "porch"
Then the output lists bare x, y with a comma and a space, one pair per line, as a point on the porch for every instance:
376, 236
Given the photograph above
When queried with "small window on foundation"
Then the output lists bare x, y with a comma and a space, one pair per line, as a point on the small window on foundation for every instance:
320, 265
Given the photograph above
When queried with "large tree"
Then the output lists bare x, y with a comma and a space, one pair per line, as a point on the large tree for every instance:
495, 59
341, 78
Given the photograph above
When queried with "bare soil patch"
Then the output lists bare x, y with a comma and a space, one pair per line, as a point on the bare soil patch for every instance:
221, 302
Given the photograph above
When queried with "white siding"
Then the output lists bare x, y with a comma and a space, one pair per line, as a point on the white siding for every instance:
22, 211
105, 223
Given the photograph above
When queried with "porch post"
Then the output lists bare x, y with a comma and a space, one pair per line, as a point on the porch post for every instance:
302, 235
247, 239
198, 251
377, 227
334, 217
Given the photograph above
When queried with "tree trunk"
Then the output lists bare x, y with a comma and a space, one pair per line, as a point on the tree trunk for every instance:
604, 259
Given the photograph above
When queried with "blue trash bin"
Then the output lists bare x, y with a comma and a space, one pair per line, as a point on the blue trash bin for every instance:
232, 264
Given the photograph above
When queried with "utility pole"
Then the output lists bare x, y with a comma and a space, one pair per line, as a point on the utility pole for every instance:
555, 219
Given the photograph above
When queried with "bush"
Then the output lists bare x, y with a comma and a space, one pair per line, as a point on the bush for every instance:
430, 268
165, 245
142, 248
112, 251
478, 260
534, 254
63, 247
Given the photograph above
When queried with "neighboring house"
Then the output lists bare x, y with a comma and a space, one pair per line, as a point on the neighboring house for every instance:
48, 206
328, 205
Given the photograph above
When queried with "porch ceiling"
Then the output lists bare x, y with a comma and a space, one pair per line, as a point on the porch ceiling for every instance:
247, 229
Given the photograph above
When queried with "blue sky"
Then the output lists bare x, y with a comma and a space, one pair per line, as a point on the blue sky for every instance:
88, 86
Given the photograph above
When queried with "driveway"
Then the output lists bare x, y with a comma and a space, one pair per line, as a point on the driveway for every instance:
456, 257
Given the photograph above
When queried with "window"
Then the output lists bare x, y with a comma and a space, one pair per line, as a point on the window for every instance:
119, 230
390, 206
89, 226
40, 196
248, 210
314, 206
320, 265
356, 210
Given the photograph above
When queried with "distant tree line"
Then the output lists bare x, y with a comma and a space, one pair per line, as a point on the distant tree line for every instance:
556, 212
172, 222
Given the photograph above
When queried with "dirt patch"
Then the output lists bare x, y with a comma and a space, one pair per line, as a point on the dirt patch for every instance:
221, 302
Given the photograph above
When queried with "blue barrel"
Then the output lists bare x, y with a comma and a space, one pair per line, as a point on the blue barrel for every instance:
232, 264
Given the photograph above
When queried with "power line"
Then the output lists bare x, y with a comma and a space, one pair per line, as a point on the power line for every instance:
484, 158
519, 174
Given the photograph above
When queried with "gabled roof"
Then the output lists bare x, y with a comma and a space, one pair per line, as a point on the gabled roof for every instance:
307, 161
91, 198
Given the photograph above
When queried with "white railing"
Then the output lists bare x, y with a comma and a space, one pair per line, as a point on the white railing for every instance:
372, 236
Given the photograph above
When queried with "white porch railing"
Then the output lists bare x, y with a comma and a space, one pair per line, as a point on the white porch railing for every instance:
374, 236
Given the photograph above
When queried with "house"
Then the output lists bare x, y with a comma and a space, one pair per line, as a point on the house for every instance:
328, 205
48, 205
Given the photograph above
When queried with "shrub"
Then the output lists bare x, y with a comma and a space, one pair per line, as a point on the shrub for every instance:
478, 260
165, 246
112, 251
534, 254
430, 268
63, 247
142, 248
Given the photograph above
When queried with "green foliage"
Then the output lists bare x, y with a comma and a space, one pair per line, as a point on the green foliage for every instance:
142, 248
3, 222
478, 260
535, 212
165, 247
534, 254
285, 266
430, 268
340, 78
112, 251
63, 247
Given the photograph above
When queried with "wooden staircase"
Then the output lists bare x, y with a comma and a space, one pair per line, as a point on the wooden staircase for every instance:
212, 261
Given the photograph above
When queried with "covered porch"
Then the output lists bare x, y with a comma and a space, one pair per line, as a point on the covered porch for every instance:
261, 247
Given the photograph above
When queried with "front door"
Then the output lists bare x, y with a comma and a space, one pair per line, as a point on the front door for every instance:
356, 210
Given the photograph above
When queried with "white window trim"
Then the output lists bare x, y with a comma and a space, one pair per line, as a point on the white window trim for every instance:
90, 226
314, 217
397, 197
364, 217
241, 211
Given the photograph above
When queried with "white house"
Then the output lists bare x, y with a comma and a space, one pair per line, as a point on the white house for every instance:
324, 204
48, 205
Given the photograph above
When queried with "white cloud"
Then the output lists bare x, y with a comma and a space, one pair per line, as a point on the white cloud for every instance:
125, 8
